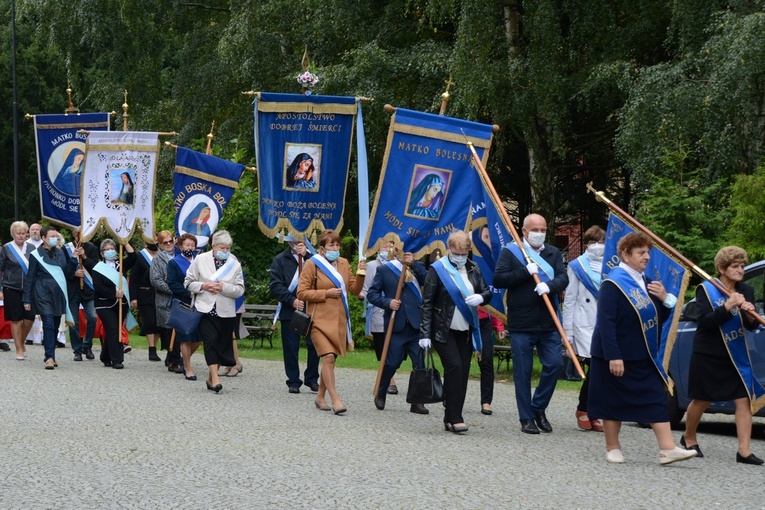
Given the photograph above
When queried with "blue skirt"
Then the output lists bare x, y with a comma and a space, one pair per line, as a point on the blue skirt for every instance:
639, 395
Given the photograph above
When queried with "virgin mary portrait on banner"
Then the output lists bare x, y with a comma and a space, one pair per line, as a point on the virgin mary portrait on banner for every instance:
68, 178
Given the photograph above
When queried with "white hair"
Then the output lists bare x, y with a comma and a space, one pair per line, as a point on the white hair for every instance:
222, 237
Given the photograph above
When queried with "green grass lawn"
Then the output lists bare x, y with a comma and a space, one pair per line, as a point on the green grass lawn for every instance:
361, 358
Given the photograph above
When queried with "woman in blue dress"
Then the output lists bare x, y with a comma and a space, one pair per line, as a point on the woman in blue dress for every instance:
627, 381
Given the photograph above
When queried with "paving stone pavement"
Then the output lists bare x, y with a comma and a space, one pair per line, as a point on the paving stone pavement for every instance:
83, 436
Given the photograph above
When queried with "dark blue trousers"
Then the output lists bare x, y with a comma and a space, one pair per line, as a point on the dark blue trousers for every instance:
290, 348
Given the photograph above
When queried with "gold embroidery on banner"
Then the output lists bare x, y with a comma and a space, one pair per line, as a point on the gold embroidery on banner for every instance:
119, 147
343, 109
441, 135
82, 125
207, 177
640, 301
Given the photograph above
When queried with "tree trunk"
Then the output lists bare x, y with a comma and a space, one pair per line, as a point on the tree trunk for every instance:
541, 175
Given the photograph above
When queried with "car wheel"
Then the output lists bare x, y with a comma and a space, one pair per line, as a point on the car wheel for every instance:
675, 413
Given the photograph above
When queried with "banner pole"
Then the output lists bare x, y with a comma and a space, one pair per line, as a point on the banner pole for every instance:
389, 330
490, 188
119, 309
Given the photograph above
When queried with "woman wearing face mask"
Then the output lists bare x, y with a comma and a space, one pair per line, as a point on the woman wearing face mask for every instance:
45, 291
324, 285
453, 289
109, 291
163, 298
216, 279
375, 325
177, 268
580, 307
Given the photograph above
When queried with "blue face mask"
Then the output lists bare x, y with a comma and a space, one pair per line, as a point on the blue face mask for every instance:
332, 255
53, 242
458, 260
383, 255
222, 255
110, 254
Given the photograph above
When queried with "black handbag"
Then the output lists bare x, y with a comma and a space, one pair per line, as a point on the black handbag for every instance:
425, 385
183, 318
301, 323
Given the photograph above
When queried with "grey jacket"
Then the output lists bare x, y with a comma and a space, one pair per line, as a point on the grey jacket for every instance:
163, 296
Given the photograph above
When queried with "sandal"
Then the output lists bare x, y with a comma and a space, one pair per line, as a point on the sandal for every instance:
234, 371
226, 371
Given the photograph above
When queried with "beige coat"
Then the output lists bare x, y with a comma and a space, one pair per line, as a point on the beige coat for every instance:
329, 322
200, 271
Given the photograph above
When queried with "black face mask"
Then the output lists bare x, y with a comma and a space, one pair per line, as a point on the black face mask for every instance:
188, 253
152, 247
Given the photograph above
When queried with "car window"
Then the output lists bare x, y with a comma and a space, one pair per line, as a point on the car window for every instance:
757, 280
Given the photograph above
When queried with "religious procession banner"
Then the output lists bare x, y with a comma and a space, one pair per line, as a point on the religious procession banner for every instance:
489, 233
661, 267
118, 184
427, 183
203, 186
60, 158
303, 149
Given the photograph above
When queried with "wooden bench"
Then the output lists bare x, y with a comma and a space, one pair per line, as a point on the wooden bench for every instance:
503, 352
259, 322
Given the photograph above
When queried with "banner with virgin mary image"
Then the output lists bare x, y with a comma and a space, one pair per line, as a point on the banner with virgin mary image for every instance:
60, 162
203, 186
427, 181
303, 149
118, 184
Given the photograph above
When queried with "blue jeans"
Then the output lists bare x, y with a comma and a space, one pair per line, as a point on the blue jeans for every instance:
50, 332
79, 344
290, 348
550, 354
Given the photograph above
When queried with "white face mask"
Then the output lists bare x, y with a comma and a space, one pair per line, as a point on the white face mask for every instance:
536, 239
458, 260
596, 250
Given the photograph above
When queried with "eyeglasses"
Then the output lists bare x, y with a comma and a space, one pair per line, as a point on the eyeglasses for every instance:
167, 242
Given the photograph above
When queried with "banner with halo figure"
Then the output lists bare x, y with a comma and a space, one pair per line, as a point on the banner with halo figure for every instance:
303, 149
60, 162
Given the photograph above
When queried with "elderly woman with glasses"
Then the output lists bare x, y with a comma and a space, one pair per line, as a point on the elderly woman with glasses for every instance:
216, 279
163, 298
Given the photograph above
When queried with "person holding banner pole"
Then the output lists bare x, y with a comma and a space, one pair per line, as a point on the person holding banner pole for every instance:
324, 285
81, 292
14, 266
529, 322
283, 281
454, 287
628, 382
719, 362
45, 289
111, 289
217, 280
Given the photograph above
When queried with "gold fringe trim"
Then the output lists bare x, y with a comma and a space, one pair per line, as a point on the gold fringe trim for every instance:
273, 107
442, 135
82, 125
118, 147
103, 226
206, 177
757, 404
285, 224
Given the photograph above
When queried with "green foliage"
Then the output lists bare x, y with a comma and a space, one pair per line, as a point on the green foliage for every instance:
747, 225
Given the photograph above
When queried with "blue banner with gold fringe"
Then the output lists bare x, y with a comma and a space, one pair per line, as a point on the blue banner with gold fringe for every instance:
661, 267
303, 148
203, 186
427, 183
61, 161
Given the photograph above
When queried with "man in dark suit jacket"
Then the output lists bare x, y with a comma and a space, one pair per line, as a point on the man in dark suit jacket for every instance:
406, 325
529, 322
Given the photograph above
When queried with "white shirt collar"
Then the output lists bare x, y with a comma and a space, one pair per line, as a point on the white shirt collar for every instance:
636, 275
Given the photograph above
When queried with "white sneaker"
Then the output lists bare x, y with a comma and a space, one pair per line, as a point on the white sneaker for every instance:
676, 455
615, 456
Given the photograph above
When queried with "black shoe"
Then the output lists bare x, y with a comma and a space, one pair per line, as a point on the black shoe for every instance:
418, 409
542, 423
89, 353
393, 390
529, 427
28, 342
153, 354
4, 346
167, 362
294, 389
692, 447
313, 386
215, 388
106, 363
118, 366
59, 345
78, 357
752, 459
179, 368
380, 402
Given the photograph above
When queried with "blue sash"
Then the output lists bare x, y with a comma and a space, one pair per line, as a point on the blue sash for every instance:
147, 256
86, 277
338, 282
547, 274
183, 263
23, 262
58, 274
457, 290
647, 313
589, 278
412, 286
733, 334
291, 288
114, 276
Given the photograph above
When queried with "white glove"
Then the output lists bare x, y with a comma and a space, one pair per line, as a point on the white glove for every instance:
425, 343
474, 300
532, 268
542, 288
